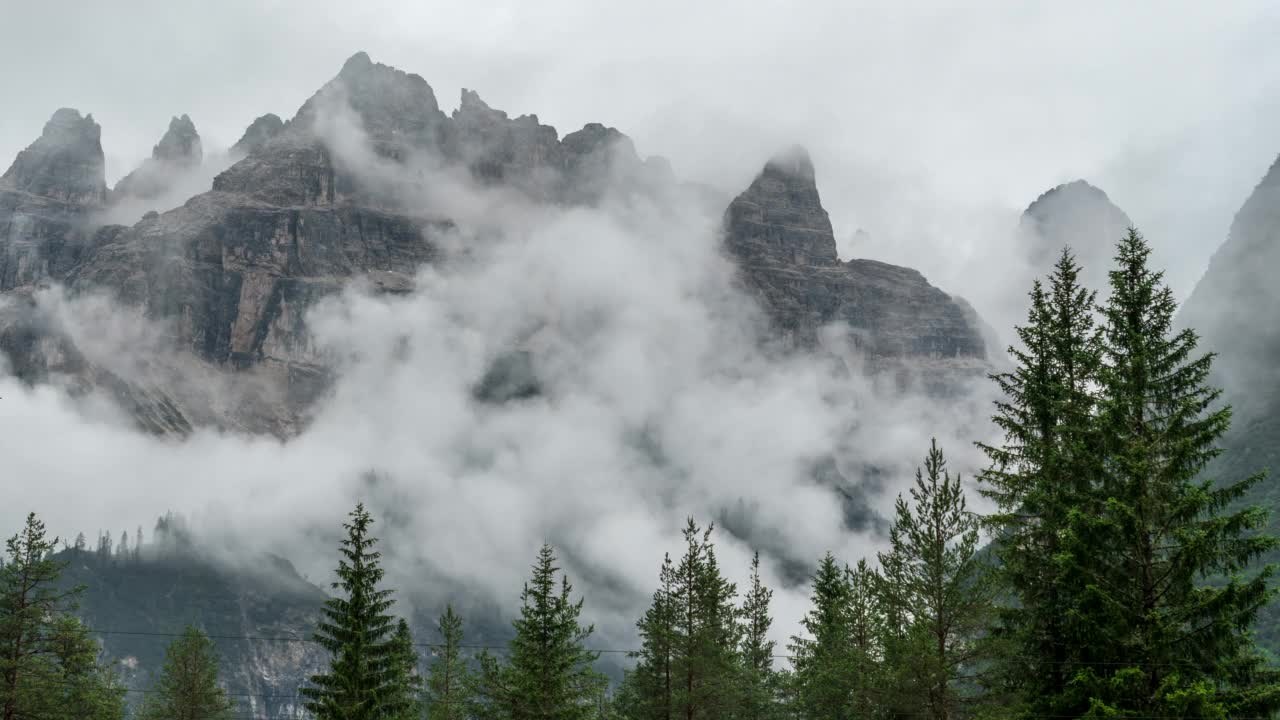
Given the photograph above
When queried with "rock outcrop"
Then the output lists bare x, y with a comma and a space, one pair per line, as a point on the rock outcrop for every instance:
780, 236
1078, 215
179, 152
259, 133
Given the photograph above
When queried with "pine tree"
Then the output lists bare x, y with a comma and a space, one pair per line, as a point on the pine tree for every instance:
188, 683
368, 677
760, 682
938, 583
449, 681
549, 674
824, 669
48, 663
648, 691
1043, 478
1173, 643
705, 663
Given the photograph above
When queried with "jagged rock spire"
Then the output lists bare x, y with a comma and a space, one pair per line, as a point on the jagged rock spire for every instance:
65, 163
780, 216
259, 133
180, 144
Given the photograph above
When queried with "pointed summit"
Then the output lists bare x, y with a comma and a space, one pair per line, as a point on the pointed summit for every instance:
179, 152
65, 163
1078, 215
259, 132
780, 216
180, 144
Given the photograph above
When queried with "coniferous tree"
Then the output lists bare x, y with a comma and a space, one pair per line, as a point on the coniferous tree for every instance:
705, 663
939, 585
369, 677
49, 666
188, 684
549, 674
1043, 479
760, 682
824, 667
1172, 642
648, 690
449, 681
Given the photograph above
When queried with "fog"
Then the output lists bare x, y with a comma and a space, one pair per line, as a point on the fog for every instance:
931, 127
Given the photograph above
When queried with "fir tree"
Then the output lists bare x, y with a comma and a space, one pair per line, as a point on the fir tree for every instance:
1173, 643
48, 662
760, 682
648, 691
705, 638
939, 584
449, 682
188, 683
824, 670
368, 677
549, 674
1043, 479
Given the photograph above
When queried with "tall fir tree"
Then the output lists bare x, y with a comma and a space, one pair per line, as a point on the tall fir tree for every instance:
940, 585
49, 667
1169, 603
188, 684
549, 673
449, 681
369, 677
1043, 479
824, 668
706, 663
648, 690
760, 681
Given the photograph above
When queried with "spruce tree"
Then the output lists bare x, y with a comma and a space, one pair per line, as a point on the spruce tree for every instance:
549, 674
369, 676
760, 682
1168, 602
1042, 478
49, 667
824, 668
188, 684
449, 682
706, 663
938, 584
648, 690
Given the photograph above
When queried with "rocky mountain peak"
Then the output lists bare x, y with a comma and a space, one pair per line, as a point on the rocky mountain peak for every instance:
180, 144
1075, 214
65, 163
780, 216
259, 132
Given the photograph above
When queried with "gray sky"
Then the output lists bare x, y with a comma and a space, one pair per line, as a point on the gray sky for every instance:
926, 119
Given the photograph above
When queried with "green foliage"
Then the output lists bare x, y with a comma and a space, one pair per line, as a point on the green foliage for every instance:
449, 684
188, 683
548, 674
939, 588
371, 674
760, 684
834, 666
48, 663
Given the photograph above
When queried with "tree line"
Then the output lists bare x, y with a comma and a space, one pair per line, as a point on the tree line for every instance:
1111, 580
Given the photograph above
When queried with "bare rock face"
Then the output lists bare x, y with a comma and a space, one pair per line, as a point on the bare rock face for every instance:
259, 132
46, 199
1076, 215
178, 152
780, 236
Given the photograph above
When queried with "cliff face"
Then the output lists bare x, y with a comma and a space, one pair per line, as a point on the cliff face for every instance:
781, 238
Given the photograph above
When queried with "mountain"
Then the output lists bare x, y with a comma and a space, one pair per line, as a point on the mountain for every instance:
1076, 215
782, 240
1232, 308
232, 272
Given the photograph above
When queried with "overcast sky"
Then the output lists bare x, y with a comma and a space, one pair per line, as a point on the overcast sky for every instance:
921, 116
